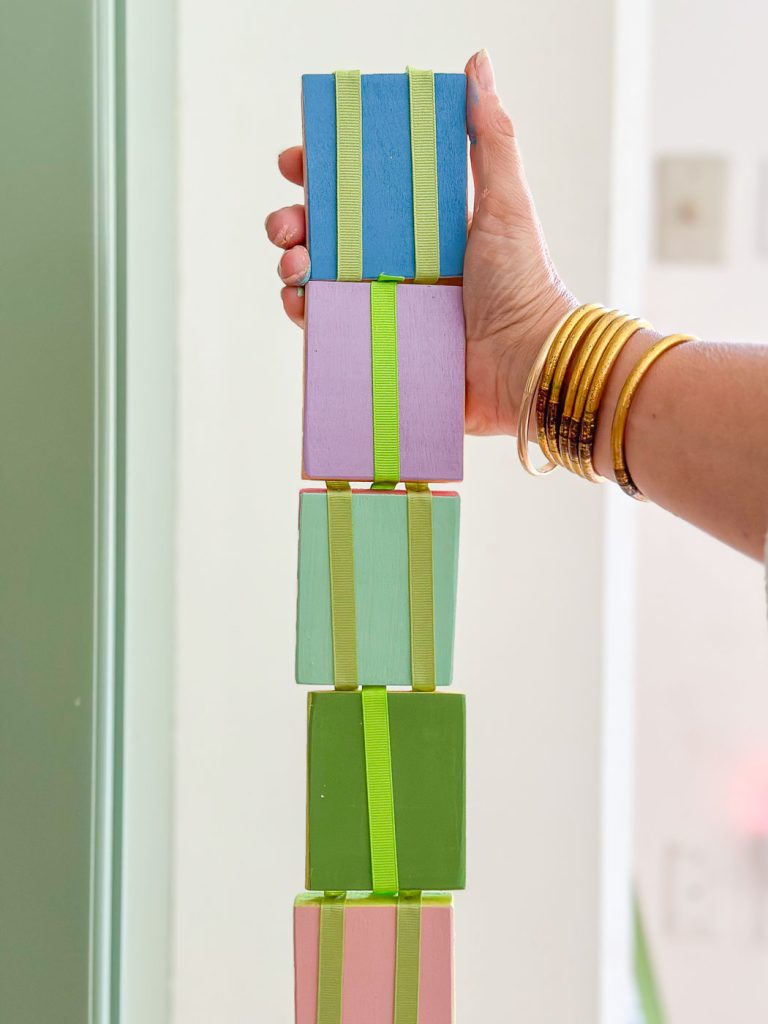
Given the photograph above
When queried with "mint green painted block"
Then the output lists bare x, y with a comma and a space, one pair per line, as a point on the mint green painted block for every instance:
380, 525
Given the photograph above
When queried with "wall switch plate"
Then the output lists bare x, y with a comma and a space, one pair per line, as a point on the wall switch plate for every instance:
690, 208
689, 910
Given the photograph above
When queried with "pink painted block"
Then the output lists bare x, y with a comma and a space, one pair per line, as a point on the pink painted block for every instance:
370, 925
338, 404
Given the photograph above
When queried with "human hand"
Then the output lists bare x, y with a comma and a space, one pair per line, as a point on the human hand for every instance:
513, 296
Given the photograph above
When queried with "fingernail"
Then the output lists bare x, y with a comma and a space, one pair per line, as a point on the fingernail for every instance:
304, 279
300, 292
484, 70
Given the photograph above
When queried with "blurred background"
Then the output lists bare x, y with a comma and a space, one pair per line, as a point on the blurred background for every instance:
615, 660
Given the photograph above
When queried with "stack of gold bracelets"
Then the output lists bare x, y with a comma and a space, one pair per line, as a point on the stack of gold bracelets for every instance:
567, 383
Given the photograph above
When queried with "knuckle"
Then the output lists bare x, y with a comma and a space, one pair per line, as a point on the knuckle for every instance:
502, 123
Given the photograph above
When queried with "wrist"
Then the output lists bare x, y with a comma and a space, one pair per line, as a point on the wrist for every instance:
521, 349
632, 351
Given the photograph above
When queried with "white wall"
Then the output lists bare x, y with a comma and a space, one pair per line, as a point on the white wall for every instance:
702, 673
529, 633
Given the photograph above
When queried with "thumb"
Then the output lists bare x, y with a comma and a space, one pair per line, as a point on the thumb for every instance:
496, 166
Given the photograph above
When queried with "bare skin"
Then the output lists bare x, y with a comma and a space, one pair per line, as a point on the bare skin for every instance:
697, 435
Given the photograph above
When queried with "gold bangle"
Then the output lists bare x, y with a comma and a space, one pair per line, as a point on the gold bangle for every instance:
526, 404
570, 338
572, 342
558, 341
568, 425
587, 378
632, 383
600, 371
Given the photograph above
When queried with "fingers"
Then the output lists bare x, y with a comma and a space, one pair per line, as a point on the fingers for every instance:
291, 164
286, 227
487, 121
496, 165
294, 266
293, 304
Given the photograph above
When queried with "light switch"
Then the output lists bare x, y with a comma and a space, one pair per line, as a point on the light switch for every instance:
688, 893
691, 208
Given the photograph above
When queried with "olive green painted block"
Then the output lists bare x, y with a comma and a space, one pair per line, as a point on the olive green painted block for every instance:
428, 776
380, 524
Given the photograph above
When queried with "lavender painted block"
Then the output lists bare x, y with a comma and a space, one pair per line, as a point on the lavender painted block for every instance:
338, 413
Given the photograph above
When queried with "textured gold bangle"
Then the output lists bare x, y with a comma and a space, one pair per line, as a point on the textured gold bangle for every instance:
632, 383
587, 377
526, 404
542, 393
568, 425
600, 372
570, 340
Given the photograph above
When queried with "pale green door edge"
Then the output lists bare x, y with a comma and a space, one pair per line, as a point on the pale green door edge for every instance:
62, 332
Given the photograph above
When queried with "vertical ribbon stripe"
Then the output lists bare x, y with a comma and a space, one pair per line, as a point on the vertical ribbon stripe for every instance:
349, 176
330, 970
421, 586
342, 570
378, 778
407, 959
426, 225
386, 427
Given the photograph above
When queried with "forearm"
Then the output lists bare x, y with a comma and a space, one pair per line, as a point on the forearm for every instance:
696, 440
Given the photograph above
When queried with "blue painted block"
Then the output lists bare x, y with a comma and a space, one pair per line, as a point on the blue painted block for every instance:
388, 246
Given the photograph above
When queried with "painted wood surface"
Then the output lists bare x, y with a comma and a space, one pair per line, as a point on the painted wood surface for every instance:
380, 525
338, 417
428, 778
370, 931
388, 243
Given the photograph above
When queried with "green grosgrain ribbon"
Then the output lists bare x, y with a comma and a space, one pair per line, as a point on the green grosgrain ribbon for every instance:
407, 958
647, 990
330, 973
349, 176
330, 969
426, 225
386, 413
421, 586
378, 779
341, 557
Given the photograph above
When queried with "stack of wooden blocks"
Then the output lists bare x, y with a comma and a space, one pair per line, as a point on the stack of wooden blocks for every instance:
386, 198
